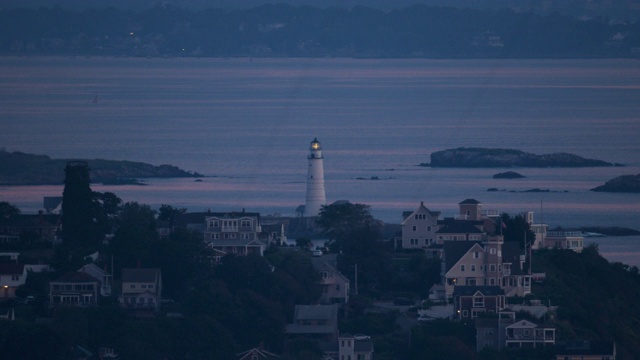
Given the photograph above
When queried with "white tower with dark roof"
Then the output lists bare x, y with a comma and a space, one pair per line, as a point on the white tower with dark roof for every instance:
315, 181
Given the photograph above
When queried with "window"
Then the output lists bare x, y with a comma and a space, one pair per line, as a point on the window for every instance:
492, 251
133, 286
324, 274
476, 255
245, 223
492, 281
428, 227
478, 301
492, 268
415, 228
462, 267
473, 267
15, 277
143, 286
465, 313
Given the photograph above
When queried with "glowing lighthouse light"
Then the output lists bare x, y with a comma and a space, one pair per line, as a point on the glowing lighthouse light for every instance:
315, 181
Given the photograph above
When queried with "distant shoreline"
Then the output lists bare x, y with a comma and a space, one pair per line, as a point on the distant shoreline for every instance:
22, 169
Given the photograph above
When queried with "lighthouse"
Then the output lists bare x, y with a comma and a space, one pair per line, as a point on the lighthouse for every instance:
315, 181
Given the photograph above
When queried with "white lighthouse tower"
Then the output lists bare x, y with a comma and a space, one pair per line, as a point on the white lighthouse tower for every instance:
315, 181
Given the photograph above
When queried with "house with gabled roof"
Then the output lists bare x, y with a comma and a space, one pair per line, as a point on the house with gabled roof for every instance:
12, 275
234, 233
469, 302
355, 347
335, 286
74, 289
527, 334
101, 274
492, 262
463, 264
315, 321
419, 228
141, 289
506, 331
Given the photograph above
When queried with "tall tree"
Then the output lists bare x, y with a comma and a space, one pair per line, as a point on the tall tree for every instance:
8, 210
340, 220
135, 236
516, 229
80, 234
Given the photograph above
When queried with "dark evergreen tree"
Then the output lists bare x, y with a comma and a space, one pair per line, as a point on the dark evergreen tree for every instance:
8, 210
80, 234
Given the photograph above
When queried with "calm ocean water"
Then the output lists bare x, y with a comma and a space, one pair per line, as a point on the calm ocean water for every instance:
247, 124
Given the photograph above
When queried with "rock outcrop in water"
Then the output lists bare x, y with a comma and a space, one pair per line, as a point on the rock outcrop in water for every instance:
508, 175
621, 184
489, 158
17, 168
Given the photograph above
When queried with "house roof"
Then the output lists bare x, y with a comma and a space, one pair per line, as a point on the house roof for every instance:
75, 277
232, 215
454, 250
421, 208
462, 290
469, 202
257, 351
450, 226
11, 269
140, 275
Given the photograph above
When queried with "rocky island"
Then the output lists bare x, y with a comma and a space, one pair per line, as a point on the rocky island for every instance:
494, 158
17, 168
621, 184
508, 175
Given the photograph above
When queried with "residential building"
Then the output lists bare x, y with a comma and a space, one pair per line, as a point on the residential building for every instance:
572, 240
101, 274
527, 334
419, 228
586, 350
234, 233
141, 289
335, 286
29, 229
471, 301
316, 321
459, 230
12, 275
350, 347
505, 331
74, 289
492, 262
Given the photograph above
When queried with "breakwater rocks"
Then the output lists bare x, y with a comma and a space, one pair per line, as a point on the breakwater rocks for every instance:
490, 158
621, 184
